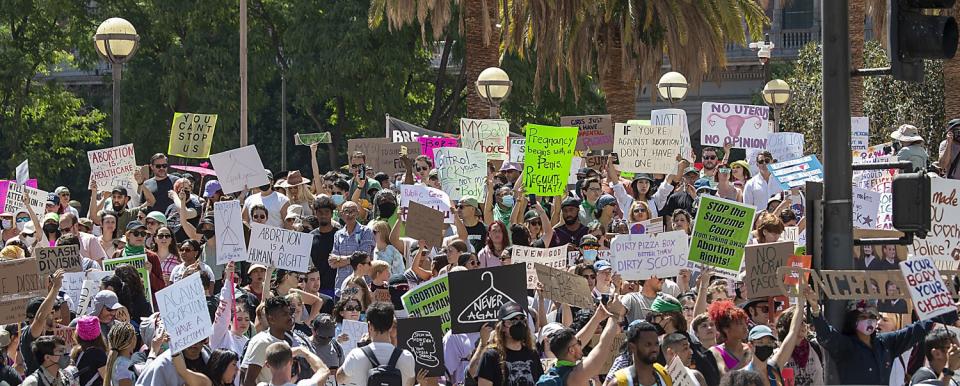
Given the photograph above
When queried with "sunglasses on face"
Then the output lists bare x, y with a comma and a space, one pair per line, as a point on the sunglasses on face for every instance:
709, 157
352, 308
725, 170
357, 166
422, 168
164, 235
138, 233
64, 194
639, 210
149, 222
259, 217
186, 250
474, 263
161, 166
764, 161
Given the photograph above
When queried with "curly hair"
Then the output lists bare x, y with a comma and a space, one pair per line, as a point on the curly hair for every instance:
724, 313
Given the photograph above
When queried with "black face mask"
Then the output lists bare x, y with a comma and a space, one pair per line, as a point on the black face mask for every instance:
570, 221
386, 209
763, 352
519, 331
51, 228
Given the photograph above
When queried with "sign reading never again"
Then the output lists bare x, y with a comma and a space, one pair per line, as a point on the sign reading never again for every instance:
476, 295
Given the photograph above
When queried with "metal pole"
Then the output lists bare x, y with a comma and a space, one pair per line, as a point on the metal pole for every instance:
116, 68
283, 121
243, 72
837, 173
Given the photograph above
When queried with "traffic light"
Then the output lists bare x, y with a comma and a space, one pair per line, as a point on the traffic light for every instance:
911, 203
913, 36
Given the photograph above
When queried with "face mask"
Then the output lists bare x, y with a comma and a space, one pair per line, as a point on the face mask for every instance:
51, 228
337, 199
867, 326
508, 201
589, 256
21, 224
64, 361
29, 240
386, 209
763, 352
6, 224
519, 331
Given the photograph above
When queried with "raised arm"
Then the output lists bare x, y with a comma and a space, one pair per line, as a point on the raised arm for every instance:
180, 201
488, 200
593, 364
407, 169
544, 223
93, 210
395, 235
946, 153
39, 323
700, 306
311, 300
317, 181
793, 336
321, 372
220, 338
33, 219
191, 377
148, 197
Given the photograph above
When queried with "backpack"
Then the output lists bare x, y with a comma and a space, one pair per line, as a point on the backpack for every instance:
556, 376
380, 375
625, 375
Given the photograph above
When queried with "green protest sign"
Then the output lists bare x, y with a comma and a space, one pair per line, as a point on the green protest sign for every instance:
720, 232
546, 162
311, 138
139, 262
431, 298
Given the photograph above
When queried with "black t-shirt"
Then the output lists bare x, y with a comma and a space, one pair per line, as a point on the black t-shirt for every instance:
477, 235
320, 253
9, 376
26, 352
522, 367
563, 236
678, 200
159, 190
87, 364
173, 219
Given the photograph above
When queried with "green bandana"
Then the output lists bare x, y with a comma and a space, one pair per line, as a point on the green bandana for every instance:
130, 250
563, 363
663, 305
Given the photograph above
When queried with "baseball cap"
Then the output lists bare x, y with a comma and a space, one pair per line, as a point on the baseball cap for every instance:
255, 267
690, 169
104, 299
509, 166
470, 201
51, 216
550, 328
601, 265
158, 217
120, 189
589, 239
134, 225
211, 188
666, 303
704, 184
760, 331
510, 310
52, 198
530, 215
33, 306
570, 201
605, 200
61, 189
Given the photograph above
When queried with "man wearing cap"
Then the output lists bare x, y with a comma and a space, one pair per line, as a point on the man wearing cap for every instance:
275, 202
159, 185
90, 247
136, 237
567, 345
40, 321
758, 310
590, 191
104, 307
468, 216
63, 201
571, 231
763, 185
640, 303
684, 195
511, 170
912, 148
949, 160
763, 343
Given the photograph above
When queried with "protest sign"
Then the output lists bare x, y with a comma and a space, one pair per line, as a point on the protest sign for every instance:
516, 149
382, 155
23, 172
137, 261
647, 149
847, 284
476, 295
927, 289
875, 180
354, 331
278, 247
13, 308
73, 284
675, 117
423, 337
564, 287
610, 357
113, 167
311, 138
191, 135
594, 132
943, 241
400, 131
552, 257
20, 276
742, 126
596, 162
462, 172
430, 298
799, 261
642, 256
866, 204
228, 226
14, 199
859, 133
50, 259
183, 309
575, 164
784, 146
88, 291
488, 136
427, 196
651, 226
760, 263
5, 185
797, 172
678, 373
239, 169
885, 212
425, 223
427, 144
720, 232
546, 164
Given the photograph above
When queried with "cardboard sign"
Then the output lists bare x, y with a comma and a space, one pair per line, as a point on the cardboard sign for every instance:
13, 308
308, 139
884, 257
239, 168
742, 126
943, 241
866, 204
849, 284
425, 223
355, 331
427, 144
462, 172
50, 259
642, 256
797, 172
113, 167
720, 231
183, 309
546, 164
4, 187
278, 247
14, 199
595, 132
859, 133
678, 373
139, 262
427, 196
648, 149
927, 289
228, 226
20, 276
430, 298
488, 136
564, 287
476, 295
555, 257
517, 147
423, 337
678, 118
761, 263
610, 357
383, 155
191, 135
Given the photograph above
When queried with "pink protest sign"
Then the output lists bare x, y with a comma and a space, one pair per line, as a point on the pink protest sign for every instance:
427, 144
195, 169
4, 184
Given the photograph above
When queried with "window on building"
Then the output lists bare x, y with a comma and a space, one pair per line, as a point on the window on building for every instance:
798, 14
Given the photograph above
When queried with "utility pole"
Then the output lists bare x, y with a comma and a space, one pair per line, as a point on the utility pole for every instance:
837, 219
243, 73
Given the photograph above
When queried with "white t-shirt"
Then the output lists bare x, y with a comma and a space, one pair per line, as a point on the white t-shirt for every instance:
274, 202
256, 354
357, 365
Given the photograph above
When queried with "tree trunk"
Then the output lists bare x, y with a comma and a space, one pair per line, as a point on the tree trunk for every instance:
479, 55
856, 18
620, 95
951, 84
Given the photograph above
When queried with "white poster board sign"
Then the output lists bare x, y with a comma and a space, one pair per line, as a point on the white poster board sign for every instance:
517, 147
355, 331
743, 126
183, 309
942, 244
228, 225
113, 167
284, 249
555, 257
239, 168
675, 117
647, 149
426, 196
859, 133
462, 172
488, 136
14, 200
642, 256
866, 205
931, 297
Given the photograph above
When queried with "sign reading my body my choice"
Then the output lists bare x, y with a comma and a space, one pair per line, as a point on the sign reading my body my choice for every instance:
549, 152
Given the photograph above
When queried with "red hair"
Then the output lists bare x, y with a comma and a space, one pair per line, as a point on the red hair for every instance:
724, 313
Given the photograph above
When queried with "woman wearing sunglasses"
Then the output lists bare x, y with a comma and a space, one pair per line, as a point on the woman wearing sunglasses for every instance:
346, 309
136, 236
167, 251
190, 262
725, 189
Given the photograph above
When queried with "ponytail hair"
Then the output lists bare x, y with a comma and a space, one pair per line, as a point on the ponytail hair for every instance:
121, 337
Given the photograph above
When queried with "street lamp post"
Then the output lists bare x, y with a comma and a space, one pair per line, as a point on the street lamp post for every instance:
494, 85
672, 87
116, 41
776, 94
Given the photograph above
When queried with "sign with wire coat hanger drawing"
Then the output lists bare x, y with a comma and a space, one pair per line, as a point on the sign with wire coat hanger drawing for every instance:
476, 295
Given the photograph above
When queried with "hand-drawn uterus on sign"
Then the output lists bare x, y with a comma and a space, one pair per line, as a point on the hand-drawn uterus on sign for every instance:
424, 348
733, 122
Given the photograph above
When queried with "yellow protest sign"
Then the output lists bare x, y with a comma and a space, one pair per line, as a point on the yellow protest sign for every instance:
191, 135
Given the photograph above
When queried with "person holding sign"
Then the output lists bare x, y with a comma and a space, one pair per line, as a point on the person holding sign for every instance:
763, 343
381, 325
572, 367
511, 338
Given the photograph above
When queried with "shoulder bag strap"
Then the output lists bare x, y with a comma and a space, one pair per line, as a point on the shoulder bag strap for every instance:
369, 353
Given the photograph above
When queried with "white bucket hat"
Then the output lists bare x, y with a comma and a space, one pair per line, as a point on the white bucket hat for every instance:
907, 133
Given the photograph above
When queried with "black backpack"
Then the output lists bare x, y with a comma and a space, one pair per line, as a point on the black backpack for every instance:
380, 375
